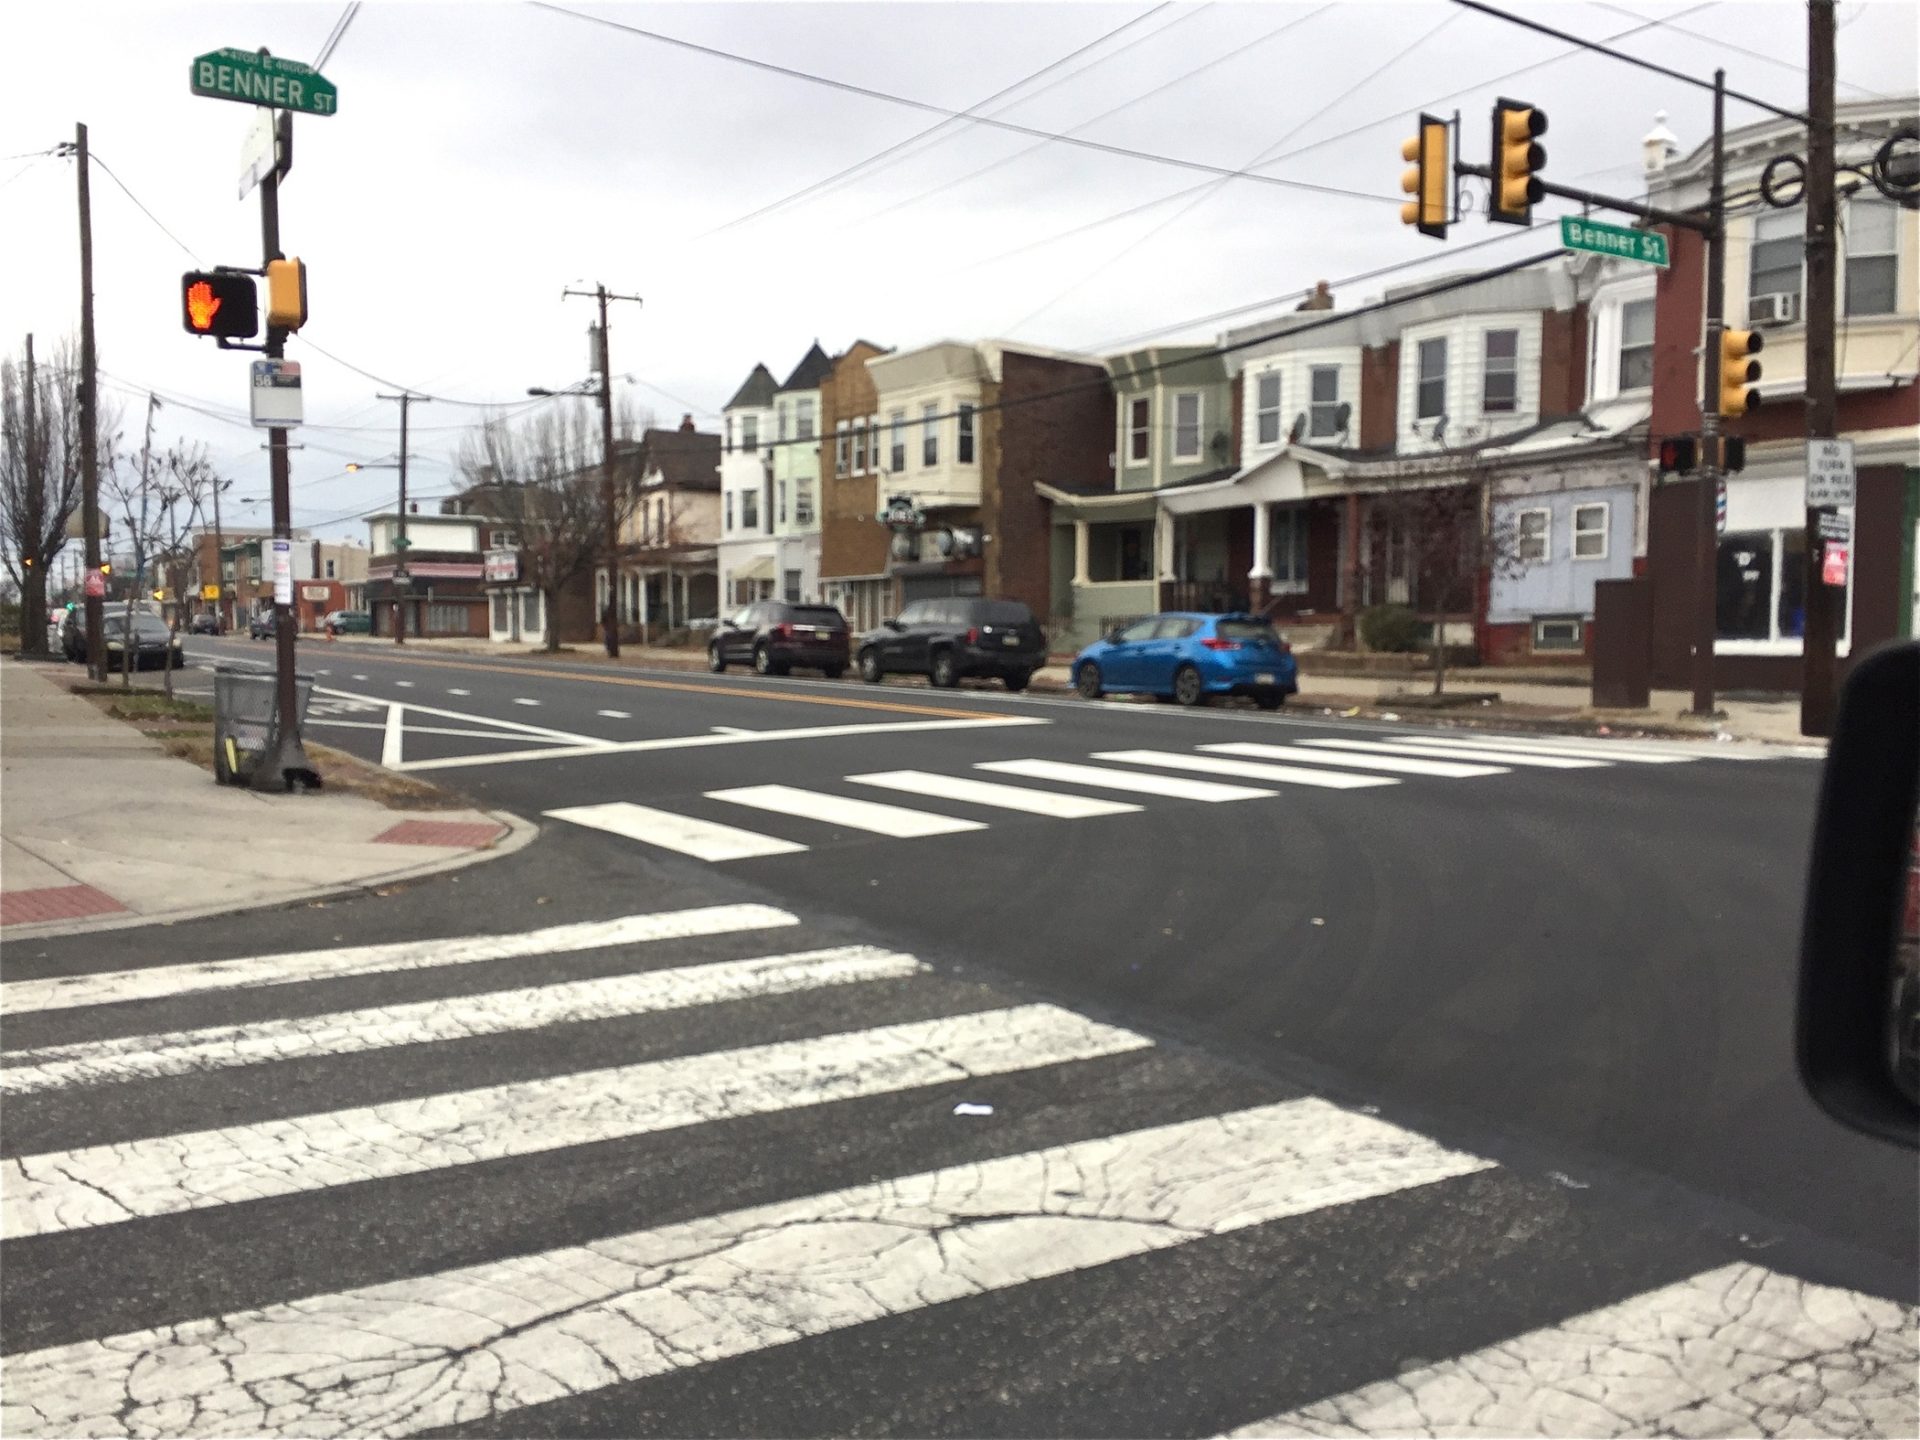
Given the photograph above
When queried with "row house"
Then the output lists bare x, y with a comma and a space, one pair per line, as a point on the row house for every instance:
1759, 575
436, 581
671, 533
770, 534
854, 540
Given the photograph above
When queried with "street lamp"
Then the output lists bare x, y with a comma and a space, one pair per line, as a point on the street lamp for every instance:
401, 578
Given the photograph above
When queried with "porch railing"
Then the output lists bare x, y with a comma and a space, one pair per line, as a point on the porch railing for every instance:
1206, 595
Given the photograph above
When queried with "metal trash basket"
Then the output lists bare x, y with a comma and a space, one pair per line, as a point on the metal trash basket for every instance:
244, 702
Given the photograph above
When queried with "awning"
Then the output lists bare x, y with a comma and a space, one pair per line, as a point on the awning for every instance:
761, 569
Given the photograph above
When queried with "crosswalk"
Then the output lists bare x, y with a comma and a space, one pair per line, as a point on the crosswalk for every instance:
385, 1188
1104, 783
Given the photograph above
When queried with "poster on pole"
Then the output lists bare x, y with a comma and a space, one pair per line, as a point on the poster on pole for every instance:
283, 572
276, 393
1833, 565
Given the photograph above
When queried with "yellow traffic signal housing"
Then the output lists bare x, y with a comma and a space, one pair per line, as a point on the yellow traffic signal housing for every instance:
1517, 160
1428, 179
286, 294
1739, 371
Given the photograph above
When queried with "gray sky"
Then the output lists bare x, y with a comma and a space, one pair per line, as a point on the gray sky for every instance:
487, 155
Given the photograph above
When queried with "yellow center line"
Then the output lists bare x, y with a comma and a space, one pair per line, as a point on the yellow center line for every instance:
692, 687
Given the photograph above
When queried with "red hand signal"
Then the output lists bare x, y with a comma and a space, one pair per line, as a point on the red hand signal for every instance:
202, 305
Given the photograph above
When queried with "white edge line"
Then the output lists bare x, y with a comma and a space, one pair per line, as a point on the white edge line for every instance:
550, 733
390, 742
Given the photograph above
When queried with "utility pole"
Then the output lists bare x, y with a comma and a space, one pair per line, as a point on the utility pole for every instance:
285, 762
139, 589
219, 562
89, 422
1817, 631
401, 579
1706, 547
609, 508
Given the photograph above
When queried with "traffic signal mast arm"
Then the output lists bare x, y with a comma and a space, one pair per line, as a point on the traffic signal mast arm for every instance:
1686, 219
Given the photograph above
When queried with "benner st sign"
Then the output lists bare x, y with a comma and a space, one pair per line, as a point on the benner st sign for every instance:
256, 79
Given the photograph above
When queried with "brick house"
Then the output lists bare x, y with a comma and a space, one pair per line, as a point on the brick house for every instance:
853, 541
444, 592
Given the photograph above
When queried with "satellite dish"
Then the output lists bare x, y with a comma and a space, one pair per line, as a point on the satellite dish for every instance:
943, 542
1299, 430
1343, 417
902, 546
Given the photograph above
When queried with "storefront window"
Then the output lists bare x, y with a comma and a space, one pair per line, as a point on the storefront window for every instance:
1743, 587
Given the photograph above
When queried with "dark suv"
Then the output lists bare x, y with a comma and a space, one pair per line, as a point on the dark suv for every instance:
775, 635
947, 640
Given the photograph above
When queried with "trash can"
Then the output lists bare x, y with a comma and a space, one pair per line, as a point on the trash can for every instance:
244, 702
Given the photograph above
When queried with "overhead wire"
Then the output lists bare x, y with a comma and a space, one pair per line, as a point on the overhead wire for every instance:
93, 157
1729, 45
873, 162
337, 34
1100, 147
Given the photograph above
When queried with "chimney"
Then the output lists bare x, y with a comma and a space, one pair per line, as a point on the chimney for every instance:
686, 425
1321, 299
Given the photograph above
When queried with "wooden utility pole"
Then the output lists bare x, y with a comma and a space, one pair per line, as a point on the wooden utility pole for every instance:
603, 353
89, 422
1817, 632
402, 580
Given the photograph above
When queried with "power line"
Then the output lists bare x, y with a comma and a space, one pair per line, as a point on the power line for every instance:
1234, 54
937, 126
1621, 55
1213, 187
926, 106
337, 34
1397, 117
94, 156
1715, 41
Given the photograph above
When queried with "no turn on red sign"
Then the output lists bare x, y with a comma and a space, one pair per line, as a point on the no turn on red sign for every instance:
1829, 473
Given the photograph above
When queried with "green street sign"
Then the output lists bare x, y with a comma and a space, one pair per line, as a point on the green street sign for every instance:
256, 79
1646, 246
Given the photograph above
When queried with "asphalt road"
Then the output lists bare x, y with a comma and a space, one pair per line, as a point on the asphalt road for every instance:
1551, 1001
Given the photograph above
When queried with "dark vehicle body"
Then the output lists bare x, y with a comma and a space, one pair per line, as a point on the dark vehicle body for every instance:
773, 636
950, 639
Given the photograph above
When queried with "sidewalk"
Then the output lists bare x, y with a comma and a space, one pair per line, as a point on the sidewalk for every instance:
100, 827
1547, 701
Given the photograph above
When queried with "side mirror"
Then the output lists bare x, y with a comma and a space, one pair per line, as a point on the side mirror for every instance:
893, 624
1858, 1039
1112, 637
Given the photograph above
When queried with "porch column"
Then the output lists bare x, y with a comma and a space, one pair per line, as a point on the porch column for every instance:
1260, 577
1163, 544
1350, 571
1081, 551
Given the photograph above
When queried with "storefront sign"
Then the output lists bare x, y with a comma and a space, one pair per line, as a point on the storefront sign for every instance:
314, 593
209, 592
902, 514
502, 566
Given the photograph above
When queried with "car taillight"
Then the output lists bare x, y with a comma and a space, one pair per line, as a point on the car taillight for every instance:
1221, 644
973, 635
1286, 648
782, 631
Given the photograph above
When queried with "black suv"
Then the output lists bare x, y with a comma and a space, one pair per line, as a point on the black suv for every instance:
775, 635
946, 640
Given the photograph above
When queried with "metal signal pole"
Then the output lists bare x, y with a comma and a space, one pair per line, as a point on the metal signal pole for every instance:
1707, 548
1820, 601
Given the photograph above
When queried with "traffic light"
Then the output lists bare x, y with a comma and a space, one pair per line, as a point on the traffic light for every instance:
219, 303
1678, 455
1517, 159
1733, 454
286, 294
1429, 180
1739, 372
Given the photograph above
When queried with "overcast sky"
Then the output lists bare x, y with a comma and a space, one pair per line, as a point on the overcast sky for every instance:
486, 156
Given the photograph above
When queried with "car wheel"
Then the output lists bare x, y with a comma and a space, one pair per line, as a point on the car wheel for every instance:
716, 662
834, 672
1270, 699
946, 674
870, 670
1187, 686
1088, 682
1017, 680
763, 661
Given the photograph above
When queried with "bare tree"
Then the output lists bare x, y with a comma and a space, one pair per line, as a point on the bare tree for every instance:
540, 477
186, 484
40, 479
157, 500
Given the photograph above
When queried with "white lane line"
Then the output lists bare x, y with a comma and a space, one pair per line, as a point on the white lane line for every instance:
731, 730
491, 722
158, 981
614, 714
1733, 1351
323, 671
359, 677
492, 1338
753, 737
1554, 747
1001, 797
1298, 755
404, 684
1245, 769
1460, 752
456, 690
1133, 781
346, 1032
391, 740
501, 735
702, 839
869, 815
523, 700
138, 1179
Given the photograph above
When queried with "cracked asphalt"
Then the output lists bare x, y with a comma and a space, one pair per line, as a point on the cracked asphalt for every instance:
1457, 1105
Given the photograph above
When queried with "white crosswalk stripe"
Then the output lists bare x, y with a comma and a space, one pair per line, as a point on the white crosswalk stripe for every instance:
1461, 752
1246, 769
1001, 797
893, 820
1301, 755
1105, 777
1612, 751
402, 1347
702, 839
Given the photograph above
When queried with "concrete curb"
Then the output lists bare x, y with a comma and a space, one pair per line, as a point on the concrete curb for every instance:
520, 834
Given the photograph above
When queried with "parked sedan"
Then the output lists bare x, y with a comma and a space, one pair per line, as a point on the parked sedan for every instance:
773, 636
260, 625
1188, 657
946, 640
154, 645
348, 622
205, 623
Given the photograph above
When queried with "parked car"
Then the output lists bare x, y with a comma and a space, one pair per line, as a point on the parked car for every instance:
1187, 657
155, 646
205, 623
947, 640
775, 635
348, 622
260, 625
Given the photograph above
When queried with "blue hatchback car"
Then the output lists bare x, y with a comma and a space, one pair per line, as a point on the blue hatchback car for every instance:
1187, 657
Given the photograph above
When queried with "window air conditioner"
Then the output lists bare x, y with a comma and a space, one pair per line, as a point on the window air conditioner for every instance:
1777, 309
